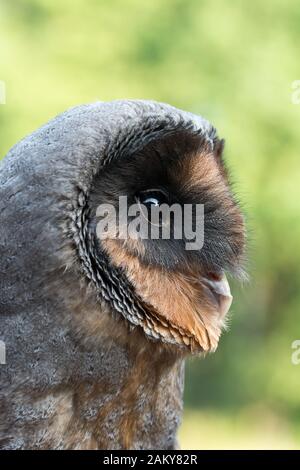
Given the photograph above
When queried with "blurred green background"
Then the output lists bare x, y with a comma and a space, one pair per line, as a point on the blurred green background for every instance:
233, 62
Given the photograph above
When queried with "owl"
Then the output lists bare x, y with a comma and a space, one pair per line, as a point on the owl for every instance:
118, 226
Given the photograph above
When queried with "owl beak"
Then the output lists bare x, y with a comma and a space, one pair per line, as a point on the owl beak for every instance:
219, 292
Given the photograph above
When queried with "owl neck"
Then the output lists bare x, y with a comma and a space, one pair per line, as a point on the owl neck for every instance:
137, 404
106, 395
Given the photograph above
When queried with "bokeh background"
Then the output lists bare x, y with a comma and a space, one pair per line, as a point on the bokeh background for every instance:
233, 62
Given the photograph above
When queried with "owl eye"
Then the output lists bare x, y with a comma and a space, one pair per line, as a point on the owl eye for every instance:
152, 197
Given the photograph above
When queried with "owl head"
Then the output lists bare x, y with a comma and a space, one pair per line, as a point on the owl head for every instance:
160, 228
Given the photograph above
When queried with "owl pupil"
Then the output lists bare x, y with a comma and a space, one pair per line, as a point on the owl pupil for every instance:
152, 197
151, 201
